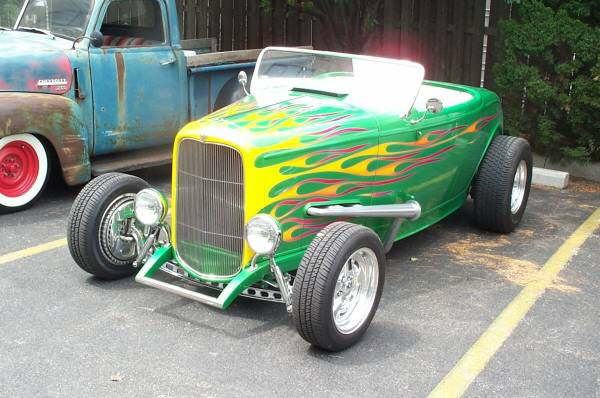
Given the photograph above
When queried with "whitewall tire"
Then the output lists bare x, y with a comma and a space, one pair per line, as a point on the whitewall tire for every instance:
24, 171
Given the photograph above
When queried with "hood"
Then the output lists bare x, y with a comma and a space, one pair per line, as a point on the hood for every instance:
31, 62
295, 148
283, 122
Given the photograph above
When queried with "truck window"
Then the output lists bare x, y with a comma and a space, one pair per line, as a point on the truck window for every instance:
64, 18
133, 23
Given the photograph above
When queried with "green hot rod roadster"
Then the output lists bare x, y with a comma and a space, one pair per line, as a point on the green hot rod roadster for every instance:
295, 193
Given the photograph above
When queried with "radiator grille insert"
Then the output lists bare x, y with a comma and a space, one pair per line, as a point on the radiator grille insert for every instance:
210, 208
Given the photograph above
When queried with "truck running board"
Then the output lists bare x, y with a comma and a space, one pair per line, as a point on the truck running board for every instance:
132, 160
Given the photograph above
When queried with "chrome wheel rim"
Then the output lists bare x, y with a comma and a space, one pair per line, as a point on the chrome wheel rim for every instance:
518, 189
355, 290
116, 242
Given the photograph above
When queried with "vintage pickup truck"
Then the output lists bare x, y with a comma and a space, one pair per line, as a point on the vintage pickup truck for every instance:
86, 86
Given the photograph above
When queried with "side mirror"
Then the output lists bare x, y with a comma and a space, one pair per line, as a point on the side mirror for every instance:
97, 39
243, 80
434, 105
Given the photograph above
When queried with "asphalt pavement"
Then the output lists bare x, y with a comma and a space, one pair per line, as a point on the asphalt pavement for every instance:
65, 333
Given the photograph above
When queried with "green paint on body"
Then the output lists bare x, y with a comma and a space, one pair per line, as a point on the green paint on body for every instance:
323, 151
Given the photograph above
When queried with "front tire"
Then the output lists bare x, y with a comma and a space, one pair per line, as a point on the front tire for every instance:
501, 188
94, 226
338, 286
24, 171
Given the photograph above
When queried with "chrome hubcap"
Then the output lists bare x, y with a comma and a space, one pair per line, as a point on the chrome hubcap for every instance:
518, 189
115, 239
355, 290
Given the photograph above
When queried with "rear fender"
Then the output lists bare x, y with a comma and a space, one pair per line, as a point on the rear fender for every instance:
55, 118
496, 129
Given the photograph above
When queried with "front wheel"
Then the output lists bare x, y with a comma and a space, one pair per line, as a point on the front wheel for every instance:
24, 171
338, 286
100, 224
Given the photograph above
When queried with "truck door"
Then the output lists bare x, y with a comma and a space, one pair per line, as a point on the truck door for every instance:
137, 78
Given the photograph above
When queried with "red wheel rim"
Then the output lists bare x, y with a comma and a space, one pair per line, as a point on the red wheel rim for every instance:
19, 167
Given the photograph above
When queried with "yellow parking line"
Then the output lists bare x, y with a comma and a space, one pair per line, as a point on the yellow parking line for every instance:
475, 360
32, 251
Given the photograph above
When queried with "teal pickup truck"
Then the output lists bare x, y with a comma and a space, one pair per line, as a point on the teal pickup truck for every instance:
92, 86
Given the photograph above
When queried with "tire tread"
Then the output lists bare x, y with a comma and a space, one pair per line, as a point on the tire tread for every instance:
310, 286
492, 185
80, 222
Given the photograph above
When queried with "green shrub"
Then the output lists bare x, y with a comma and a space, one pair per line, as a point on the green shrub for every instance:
548, 75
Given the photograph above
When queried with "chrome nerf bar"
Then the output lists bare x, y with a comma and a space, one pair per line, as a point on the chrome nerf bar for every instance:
190, 294
410, 210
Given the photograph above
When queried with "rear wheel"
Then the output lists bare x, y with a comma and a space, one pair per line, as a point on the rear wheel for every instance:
24, 171
100, 224
338, 286
501, 188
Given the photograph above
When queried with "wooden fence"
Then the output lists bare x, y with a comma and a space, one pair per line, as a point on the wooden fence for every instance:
242, 24
446, 36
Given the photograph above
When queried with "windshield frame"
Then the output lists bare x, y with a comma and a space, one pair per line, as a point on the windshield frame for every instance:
403, 111
62, 36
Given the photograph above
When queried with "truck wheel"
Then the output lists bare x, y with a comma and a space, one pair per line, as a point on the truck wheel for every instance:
502, 184
98, 219
24, 171
338, 286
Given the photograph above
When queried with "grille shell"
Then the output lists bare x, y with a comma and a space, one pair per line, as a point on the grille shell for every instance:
210, 208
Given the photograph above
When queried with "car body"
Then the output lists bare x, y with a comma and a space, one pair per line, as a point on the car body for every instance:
309, 149
296, 159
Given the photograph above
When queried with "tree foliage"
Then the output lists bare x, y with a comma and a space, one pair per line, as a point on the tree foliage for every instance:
548, 75
9, 10
346, 25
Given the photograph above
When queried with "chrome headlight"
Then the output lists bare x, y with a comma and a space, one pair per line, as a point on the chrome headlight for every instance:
151, 207
263, 234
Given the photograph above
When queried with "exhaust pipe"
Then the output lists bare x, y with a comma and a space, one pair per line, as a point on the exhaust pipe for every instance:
410, 210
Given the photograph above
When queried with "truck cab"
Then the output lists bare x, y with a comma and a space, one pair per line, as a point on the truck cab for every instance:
92, 86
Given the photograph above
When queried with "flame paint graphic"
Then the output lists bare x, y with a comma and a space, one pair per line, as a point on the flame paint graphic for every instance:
315, 175
322, 153
302, 227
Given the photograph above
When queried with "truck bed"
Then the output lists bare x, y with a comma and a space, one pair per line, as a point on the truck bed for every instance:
202, 52
216, 58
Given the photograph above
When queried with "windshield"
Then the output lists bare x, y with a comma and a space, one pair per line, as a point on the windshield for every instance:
64, 18
380, 84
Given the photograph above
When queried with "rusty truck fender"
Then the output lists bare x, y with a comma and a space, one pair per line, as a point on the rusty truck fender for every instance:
58, 120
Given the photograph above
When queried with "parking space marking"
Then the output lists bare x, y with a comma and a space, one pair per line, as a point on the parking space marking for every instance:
458, 380
31, 251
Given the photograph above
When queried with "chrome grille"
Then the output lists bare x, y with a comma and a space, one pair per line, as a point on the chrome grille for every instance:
210, 208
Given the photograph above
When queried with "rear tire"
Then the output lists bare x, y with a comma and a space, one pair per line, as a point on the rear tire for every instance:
338, 286
91, 215
24, 171
501, 187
